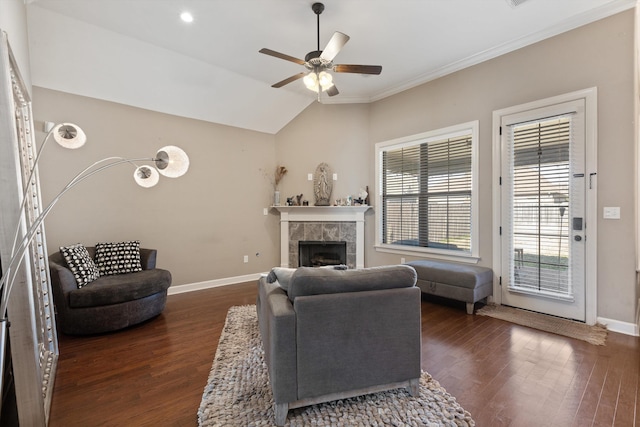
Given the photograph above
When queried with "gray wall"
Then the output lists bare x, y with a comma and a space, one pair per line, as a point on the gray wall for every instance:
335, 134
600, 54
202, 223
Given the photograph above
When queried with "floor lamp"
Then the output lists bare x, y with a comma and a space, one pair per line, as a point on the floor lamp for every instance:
169, 161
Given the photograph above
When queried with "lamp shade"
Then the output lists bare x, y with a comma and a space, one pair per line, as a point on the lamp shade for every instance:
146, 176
172, 161
69, 135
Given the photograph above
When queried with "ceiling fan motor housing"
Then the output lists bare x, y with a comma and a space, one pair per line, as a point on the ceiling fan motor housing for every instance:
312, 55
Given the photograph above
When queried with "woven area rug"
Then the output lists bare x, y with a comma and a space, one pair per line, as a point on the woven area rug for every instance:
238, 394
596, 334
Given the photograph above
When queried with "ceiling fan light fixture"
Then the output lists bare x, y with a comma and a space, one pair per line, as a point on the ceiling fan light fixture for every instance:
311, 81
325, 80
316, 81
317, 62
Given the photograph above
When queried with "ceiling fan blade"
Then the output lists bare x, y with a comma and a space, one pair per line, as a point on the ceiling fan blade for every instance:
332, 91
288, 80
333, 47
281, 56
360, 69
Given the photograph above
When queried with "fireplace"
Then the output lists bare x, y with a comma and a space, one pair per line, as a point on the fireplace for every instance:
312, 253
326, 224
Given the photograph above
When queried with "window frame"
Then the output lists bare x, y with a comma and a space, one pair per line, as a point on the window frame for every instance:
469, 128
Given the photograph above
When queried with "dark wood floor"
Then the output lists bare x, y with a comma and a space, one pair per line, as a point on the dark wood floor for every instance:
504, 374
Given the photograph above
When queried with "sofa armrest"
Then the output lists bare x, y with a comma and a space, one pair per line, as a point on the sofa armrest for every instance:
277, 322
62, 278
148, 258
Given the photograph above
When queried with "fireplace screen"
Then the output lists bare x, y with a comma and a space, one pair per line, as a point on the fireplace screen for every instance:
320, 253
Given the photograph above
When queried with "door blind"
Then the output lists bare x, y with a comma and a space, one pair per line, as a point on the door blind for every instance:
426, 194
539, 154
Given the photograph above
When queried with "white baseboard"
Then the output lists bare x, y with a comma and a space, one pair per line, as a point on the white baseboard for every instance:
173, 290
618, 326
638, 314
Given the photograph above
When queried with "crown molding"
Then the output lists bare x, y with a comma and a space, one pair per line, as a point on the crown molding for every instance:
585, 18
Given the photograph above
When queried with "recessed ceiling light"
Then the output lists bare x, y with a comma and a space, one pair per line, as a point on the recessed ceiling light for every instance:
515, 3
186, 17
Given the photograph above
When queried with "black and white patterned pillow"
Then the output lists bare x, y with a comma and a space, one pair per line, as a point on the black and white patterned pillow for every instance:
118, 258
80, 263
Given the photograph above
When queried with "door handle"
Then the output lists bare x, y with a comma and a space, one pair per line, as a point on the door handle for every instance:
577, 238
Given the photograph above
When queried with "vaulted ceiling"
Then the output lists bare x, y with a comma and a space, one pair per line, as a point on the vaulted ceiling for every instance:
140, 53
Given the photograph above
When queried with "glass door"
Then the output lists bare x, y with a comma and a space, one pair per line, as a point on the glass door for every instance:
543, 192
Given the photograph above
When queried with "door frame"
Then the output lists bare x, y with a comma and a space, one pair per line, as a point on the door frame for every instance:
590, 97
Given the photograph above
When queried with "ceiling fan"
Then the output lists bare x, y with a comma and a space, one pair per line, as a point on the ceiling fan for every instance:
319, 62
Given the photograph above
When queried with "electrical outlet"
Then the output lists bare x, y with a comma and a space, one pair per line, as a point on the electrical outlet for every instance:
246, 259
402, 260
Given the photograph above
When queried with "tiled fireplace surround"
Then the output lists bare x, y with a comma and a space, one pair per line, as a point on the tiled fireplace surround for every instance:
323, 232
322, 223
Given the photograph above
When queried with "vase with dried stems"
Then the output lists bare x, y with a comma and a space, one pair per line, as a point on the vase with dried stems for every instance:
280, 172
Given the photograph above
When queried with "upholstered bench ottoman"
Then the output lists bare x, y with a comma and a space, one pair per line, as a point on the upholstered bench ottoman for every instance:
461, 282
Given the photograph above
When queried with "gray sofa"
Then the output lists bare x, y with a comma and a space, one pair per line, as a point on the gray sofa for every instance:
110, 302
335, 334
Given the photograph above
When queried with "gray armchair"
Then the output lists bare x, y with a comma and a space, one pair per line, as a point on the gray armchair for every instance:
110, 302
337, 334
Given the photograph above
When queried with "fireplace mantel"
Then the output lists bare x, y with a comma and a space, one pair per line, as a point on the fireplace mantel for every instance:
321, 214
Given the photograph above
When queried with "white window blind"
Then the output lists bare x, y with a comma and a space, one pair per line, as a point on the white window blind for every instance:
539, 221
427, 194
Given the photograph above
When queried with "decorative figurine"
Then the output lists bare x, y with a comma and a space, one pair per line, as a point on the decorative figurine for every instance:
363, 195
322, 185
294, 200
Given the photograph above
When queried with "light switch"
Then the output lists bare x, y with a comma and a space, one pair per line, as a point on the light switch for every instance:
265, 211
611, 213
310, 177
335, 176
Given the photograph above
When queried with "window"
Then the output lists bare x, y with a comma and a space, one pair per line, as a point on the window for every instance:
427, 192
